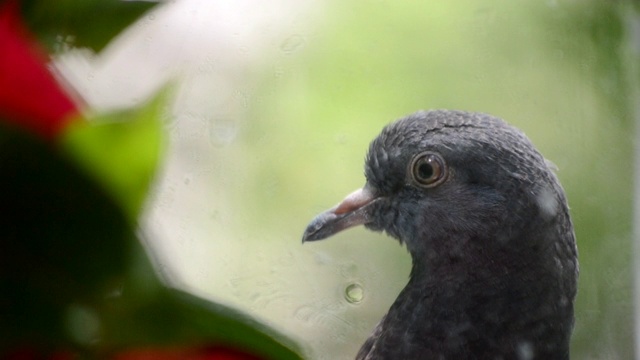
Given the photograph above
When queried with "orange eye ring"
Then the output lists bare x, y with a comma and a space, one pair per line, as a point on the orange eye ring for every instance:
428, 169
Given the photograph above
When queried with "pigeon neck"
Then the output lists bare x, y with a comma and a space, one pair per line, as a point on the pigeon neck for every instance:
479, 299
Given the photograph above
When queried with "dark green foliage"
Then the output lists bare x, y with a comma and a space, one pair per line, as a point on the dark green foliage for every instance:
74, 276
84, 23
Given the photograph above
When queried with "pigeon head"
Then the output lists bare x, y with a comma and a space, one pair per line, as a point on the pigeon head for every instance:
487, 225
449, 175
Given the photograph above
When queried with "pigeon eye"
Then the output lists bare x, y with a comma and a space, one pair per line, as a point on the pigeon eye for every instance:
428, 169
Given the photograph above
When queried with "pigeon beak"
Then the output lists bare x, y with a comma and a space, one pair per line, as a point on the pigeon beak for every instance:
354, 210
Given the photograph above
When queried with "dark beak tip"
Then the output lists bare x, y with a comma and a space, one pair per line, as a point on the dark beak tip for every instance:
352, 211
313, 231
306, 237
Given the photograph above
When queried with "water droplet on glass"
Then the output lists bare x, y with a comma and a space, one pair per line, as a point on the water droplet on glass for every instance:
278, 72
564, 301
322, 258
525, 350
223, 132
348, 270
292, 43
304, 313
83, 324
547, 202
354, 293
287, 259
115, 292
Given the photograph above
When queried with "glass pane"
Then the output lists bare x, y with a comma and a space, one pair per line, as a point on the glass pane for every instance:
276, 104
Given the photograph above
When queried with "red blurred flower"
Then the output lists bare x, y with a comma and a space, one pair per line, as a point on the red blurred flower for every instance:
207, 353
30, 97
33, 354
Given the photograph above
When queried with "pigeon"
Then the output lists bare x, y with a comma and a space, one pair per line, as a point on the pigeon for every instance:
494, 258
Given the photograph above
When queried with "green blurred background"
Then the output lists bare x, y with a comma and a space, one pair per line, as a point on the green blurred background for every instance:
277, 104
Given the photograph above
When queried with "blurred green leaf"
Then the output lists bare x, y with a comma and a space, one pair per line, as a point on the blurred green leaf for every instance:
85, 23
171, 317
144, 313
121, 150
73, 275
